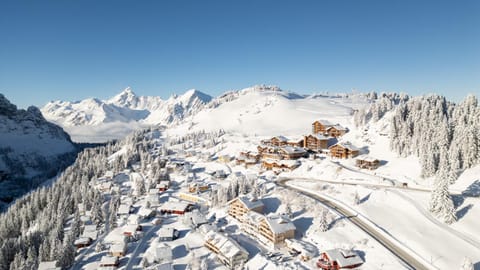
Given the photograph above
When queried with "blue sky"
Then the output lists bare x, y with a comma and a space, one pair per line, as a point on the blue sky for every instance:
72, 50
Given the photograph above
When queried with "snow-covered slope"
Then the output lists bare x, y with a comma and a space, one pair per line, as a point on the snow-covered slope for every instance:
30, 146
95, 120
268, 111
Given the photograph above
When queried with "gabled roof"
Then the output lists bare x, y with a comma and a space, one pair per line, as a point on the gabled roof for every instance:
163, 252
248, 202
292, 150
346, 145
119, 247
337, 127
227, 246
281, 138
367, 158
279, 224
48, 266
174, 206
109, 260
319, 136
344, 257
324, 122
123, 209
166, 232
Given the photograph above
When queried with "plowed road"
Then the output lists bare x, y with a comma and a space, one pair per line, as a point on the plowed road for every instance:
409, 260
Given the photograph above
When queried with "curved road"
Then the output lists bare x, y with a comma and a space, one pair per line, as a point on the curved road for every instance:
405, 257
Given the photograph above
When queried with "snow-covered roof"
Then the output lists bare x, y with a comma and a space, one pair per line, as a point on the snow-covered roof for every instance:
344, 257
120, 247
163, 252
348, 145
281, 138
90, 228
227, 246
320, 137
90, 234
133, 219
198, 218
166, 232
48, 266
174, 206
279, 224
324, 122
367, 158
286, 162
109, 260
248, 202
144, 212
153, 191
293, 150
131, 228
115, 236
82, 241
123, 209
338, 127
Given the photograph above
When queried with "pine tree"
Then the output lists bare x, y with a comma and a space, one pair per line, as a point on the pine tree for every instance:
441, 203
323, 225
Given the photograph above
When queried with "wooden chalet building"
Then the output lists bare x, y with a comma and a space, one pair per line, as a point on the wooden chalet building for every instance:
118, 249
367, 162
171, 207
336, 259
272, 164
327, 128
198, 186
270, 230
343, 150
82, 242
228, 251
286, 152
247, 158
241, 205
316, 142
295, 142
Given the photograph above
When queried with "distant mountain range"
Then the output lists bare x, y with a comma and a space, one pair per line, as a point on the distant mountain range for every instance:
94, 120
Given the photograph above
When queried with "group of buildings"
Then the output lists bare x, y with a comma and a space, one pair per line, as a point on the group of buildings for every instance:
282, 153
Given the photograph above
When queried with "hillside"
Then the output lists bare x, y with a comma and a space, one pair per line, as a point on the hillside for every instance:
31, 149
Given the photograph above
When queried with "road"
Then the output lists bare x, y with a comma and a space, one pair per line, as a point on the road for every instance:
409, 260
141, 247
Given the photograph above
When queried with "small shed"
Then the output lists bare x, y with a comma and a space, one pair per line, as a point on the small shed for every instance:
167, 234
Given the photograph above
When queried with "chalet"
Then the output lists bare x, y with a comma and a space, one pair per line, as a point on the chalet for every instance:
145, 212
295, 142
82, 242
328, 128
163, 186
367, 162
290, 152
167, 234
131, 230
336, 259
171, 207
118, 249
270, 230
104, 186
276, 141
163, 253
286, 152
321, 126
198, 186
343, 150
316, 142
133, 219
247, 158
241, 205
197, 219
272, 164
109, 175
336, 131
51, 265
228, 251
124, 210
194, 198
109, 261
90, 234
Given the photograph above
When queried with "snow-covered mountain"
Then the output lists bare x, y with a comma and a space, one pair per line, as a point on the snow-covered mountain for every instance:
115, 117
30, 146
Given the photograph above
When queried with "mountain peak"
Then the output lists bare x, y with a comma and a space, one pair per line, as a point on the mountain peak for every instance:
195, 93
126, 97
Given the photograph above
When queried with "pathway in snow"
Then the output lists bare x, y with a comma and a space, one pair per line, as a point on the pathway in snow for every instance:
141, 247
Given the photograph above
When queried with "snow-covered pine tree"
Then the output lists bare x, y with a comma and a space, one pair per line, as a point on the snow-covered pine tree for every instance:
323, 222
467, 264
441, 204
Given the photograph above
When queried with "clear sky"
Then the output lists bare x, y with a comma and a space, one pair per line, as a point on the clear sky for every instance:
71, 50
